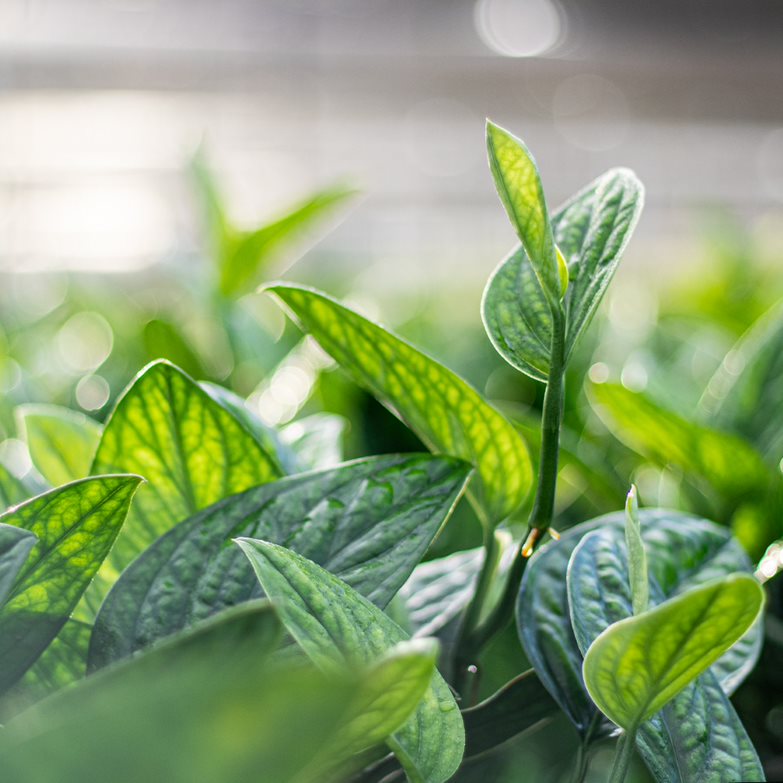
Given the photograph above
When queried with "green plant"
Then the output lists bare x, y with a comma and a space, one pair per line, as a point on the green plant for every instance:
149, 612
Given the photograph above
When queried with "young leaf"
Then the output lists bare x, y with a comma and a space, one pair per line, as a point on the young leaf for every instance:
15, 546
370, 522
519, 187
637, 557
62, 442
727, 463
76, 526
335, 625
591, 231
599, 595
190, 449
639, 664
442, 409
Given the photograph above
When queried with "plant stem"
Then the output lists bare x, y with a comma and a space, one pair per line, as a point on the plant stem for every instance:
623, 756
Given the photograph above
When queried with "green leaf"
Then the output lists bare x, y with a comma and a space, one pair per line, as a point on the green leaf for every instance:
189, 448
370, 522
639, 664
15, 490
591, 231
15, 546
396, 683
219, 710
165, 340
315, 441
519, 187
744, 393
62, 442
637, 557
76, 526
727, 463
248, 254
335, 625
442, 409
599, 595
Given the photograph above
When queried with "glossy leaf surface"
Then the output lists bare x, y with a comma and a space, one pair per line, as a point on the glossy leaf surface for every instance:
76, 526
335, 625
189, 448
368, 521
62, 442
639, 664
442, 409
15, 546
727, 463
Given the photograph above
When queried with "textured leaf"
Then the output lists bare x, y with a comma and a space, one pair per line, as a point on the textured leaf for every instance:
76, 526
62, 442
672, 743
727, 463
369, 521
395, 685
444, 411
15, 546
744, 394
639, 664
334, 624
315, 441
200, 721
190, 449
683, 552
519, 187
591, 230
15, 490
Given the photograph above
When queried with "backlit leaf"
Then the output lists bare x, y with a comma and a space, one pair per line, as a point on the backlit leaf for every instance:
369, 522
335, 625
639, 664
14, 490
442, 409
76, 526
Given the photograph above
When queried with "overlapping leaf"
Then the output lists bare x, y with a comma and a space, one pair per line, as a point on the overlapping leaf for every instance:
189, 448
15, 546
599, 595
76, 526
15, 490
444, 411
335, 625
727, 463
369, 521
62, 442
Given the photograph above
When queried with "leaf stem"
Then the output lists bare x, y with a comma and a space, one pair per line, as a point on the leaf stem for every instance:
623, 756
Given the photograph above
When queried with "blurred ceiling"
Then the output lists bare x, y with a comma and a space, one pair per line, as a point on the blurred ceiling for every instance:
102, 102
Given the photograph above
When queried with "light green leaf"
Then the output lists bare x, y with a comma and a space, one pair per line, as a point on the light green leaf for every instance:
335, 625
219, 710
599, 595
442, 409
744, 394
727, 463
637, 557
315, 441
62, 442
396, 683
14, 490
76, 526
190, 449
519, 187
591, 231
370, 522
639, 664
15, 546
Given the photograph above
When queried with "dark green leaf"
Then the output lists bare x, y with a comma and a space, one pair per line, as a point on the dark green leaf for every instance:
190, 449
76, 526
727, 463
369, 521
15, 546
444, 411
62, 442
335, 625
